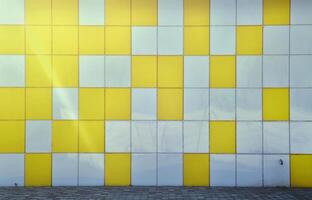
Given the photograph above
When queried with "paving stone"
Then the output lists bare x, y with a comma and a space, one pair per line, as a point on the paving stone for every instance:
159, 193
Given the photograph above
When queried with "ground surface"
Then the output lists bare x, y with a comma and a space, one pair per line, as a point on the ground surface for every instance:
158, 193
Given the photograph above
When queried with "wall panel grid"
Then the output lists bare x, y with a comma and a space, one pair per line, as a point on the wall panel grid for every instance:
156, 92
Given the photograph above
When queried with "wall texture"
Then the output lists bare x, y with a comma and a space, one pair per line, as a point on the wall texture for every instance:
147, 92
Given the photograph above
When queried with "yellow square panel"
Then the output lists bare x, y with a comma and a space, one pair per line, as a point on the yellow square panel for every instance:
12, 40
222, 137
196, 12
65, 40
117, 12
222, 72
39, 103
38, 40
38, 12
117, 40
12, 137
144, 12
117, 169
276, 12
249, 40
65, 12
170, 104
38, 169
65, 71
91, 39
144, 71
301, 173
12, 103
117, 104
91, 103
196, 40
91, 136
275, 104
38, 71
196, 170
170, 71
65, 136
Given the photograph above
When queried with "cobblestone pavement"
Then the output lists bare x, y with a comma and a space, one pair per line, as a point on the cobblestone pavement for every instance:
158, 193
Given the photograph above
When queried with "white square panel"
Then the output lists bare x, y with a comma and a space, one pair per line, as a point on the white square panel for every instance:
170, 169
91, 71
275, 137
170, 40
11, 169
170, 136
275, 71
144, 104
38, 136
222, 170
12, 11
91, 169
12, 70
91, 12
65, 169
301, 39
249, 71
117, 136
300, 137
196, 71
300, 71
196, 104
222, 40
301, 11
143, 136
144, 40
117, 71
196, 136
249, 170
301, 104
222, 104
143, 169
276, 39
249, 137
65, 103
223, 12
170, 12
249, 104
249, 12
276, 170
